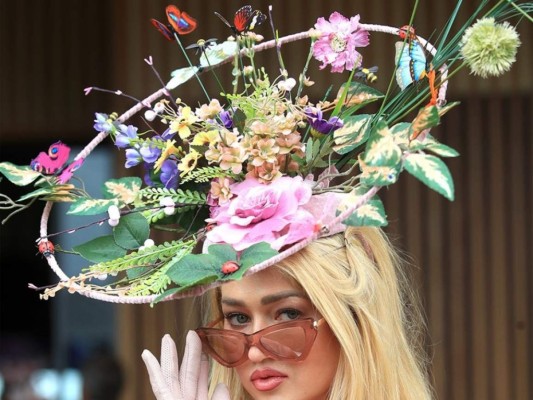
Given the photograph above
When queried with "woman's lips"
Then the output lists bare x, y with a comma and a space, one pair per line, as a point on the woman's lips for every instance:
267, 379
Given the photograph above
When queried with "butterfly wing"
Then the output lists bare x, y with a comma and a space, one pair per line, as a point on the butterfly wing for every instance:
67, 173
51, 162
164, 29
411, 63
242, 18
257, 18
180, 21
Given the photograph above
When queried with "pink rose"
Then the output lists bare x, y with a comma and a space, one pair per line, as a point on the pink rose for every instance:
272, 213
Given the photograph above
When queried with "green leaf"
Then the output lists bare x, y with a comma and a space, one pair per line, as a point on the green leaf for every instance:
132, 230
86, 206
239, 120
194, 269
17, 174
251, 256
381, 149
123, 189
371, 213
431, 171
353, 133
222, 252
100, 249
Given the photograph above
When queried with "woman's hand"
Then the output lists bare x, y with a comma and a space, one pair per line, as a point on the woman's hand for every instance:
190, 382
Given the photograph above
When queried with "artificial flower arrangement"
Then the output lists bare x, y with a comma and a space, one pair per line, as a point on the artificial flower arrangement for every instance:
257, 172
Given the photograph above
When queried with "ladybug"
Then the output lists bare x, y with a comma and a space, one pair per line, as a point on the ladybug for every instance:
229, 267
46, 248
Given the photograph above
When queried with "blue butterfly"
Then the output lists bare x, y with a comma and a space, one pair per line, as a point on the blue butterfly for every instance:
410, 59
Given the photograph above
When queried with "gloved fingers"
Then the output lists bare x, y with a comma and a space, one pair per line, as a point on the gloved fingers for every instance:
221, 392
203, 378
157, 380
170, 364
190, 365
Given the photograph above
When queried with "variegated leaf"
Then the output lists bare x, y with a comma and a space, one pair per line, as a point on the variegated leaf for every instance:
91, 206
441, 149
41, 192
431, 144
443, 110
123, 189
370, 214
359, 94
381, 150
20, 175
427, 117
353, 133
400, 132
378, 176
432, 171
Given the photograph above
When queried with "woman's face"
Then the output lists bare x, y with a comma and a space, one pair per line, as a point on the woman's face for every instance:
266, 298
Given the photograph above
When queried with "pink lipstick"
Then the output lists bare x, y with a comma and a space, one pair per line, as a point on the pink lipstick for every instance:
267, 379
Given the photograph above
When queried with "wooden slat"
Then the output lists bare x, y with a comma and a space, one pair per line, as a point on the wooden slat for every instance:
497, 266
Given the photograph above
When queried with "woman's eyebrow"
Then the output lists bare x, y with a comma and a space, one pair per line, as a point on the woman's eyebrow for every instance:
271, 298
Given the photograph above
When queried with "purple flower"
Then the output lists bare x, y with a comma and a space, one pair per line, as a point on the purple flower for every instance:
133, 158
167, 134
169, 174
149, 154
225, 117
321, 125
125, 136
338, 41
101, 123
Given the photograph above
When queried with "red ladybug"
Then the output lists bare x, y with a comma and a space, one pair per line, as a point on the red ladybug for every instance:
229, 267
46, 248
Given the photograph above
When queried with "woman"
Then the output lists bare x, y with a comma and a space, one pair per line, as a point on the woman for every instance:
367, 333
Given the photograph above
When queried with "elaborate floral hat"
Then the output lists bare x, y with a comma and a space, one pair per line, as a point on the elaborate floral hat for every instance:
259, 170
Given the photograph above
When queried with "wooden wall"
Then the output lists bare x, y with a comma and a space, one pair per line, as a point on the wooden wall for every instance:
473, 255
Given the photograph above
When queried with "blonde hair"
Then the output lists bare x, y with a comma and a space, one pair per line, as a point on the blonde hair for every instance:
354, 281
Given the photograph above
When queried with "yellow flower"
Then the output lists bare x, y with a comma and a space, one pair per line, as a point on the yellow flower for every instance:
169, 150
188, 163
205, 138
183, 122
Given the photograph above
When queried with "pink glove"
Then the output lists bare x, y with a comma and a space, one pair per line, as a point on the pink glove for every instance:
169, 382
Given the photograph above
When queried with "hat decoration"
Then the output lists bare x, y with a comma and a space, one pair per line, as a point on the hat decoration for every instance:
260, 171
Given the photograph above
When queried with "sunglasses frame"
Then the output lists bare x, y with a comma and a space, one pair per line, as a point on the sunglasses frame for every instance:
310, 326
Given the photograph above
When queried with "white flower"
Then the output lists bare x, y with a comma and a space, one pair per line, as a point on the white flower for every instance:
114, 215
150, 115
168, 203
147, 243
287, 84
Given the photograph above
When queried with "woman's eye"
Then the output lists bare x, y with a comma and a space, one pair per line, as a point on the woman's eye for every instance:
237, 319
290, 314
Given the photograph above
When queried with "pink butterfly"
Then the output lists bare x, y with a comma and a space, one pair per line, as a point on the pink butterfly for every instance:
51, 162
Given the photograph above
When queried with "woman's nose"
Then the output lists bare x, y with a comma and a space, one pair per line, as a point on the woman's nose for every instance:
255, 354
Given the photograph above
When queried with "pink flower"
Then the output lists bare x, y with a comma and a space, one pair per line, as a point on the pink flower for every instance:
338, 41
272, 213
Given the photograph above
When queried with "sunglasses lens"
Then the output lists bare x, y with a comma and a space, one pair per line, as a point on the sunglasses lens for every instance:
227, 349
286, 343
